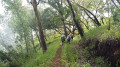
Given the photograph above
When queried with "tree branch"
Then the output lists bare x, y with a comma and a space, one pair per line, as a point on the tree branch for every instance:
29, 1
118, 1
38, 2
114, 3
86, 10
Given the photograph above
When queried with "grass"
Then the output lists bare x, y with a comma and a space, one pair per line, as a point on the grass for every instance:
70, 56
43, 60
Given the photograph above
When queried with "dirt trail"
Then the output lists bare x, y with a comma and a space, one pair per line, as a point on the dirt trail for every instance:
56, 61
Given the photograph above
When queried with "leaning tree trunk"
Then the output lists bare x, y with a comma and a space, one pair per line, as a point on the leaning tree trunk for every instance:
43, 43
80, 29
64, 27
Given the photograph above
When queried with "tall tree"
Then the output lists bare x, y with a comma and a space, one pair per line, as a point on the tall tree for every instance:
43, 43
80, 29
18, 20
59, 6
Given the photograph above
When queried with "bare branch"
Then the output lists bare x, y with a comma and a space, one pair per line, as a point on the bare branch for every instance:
38, 2
114, 3
95, 18
61, 2
118, 1
29, 1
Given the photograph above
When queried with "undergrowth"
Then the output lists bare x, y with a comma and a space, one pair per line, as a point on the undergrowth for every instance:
43, 60
70, 55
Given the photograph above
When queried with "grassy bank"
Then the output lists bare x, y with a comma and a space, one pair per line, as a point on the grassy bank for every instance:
43, 60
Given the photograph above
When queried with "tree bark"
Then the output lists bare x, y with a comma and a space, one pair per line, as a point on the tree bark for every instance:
38, 38
80, 30
32, 40
43, 43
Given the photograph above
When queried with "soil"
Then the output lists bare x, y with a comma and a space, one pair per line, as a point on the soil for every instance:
56, 61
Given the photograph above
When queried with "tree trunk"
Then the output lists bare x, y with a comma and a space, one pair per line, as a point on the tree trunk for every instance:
63, 21
38, 38
60, 12
43, 43
108, 16
80, 30
62, 18
26, 44
64, 27
32, 40
102, 20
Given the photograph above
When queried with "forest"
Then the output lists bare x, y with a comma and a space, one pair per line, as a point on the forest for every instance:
59, 33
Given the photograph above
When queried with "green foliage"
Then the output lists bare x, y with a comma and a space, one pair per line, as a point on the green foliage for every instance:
102, 33
113, 33
85, 51
116, 16
3, 56
101, 62
87, 65
70, 55
43, 60
22, 22
92, 46
50, 19
94, 32
4, 64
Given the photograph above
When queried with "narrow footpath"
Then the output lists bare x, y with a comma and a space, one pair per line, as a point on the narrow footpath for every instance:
56, 61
